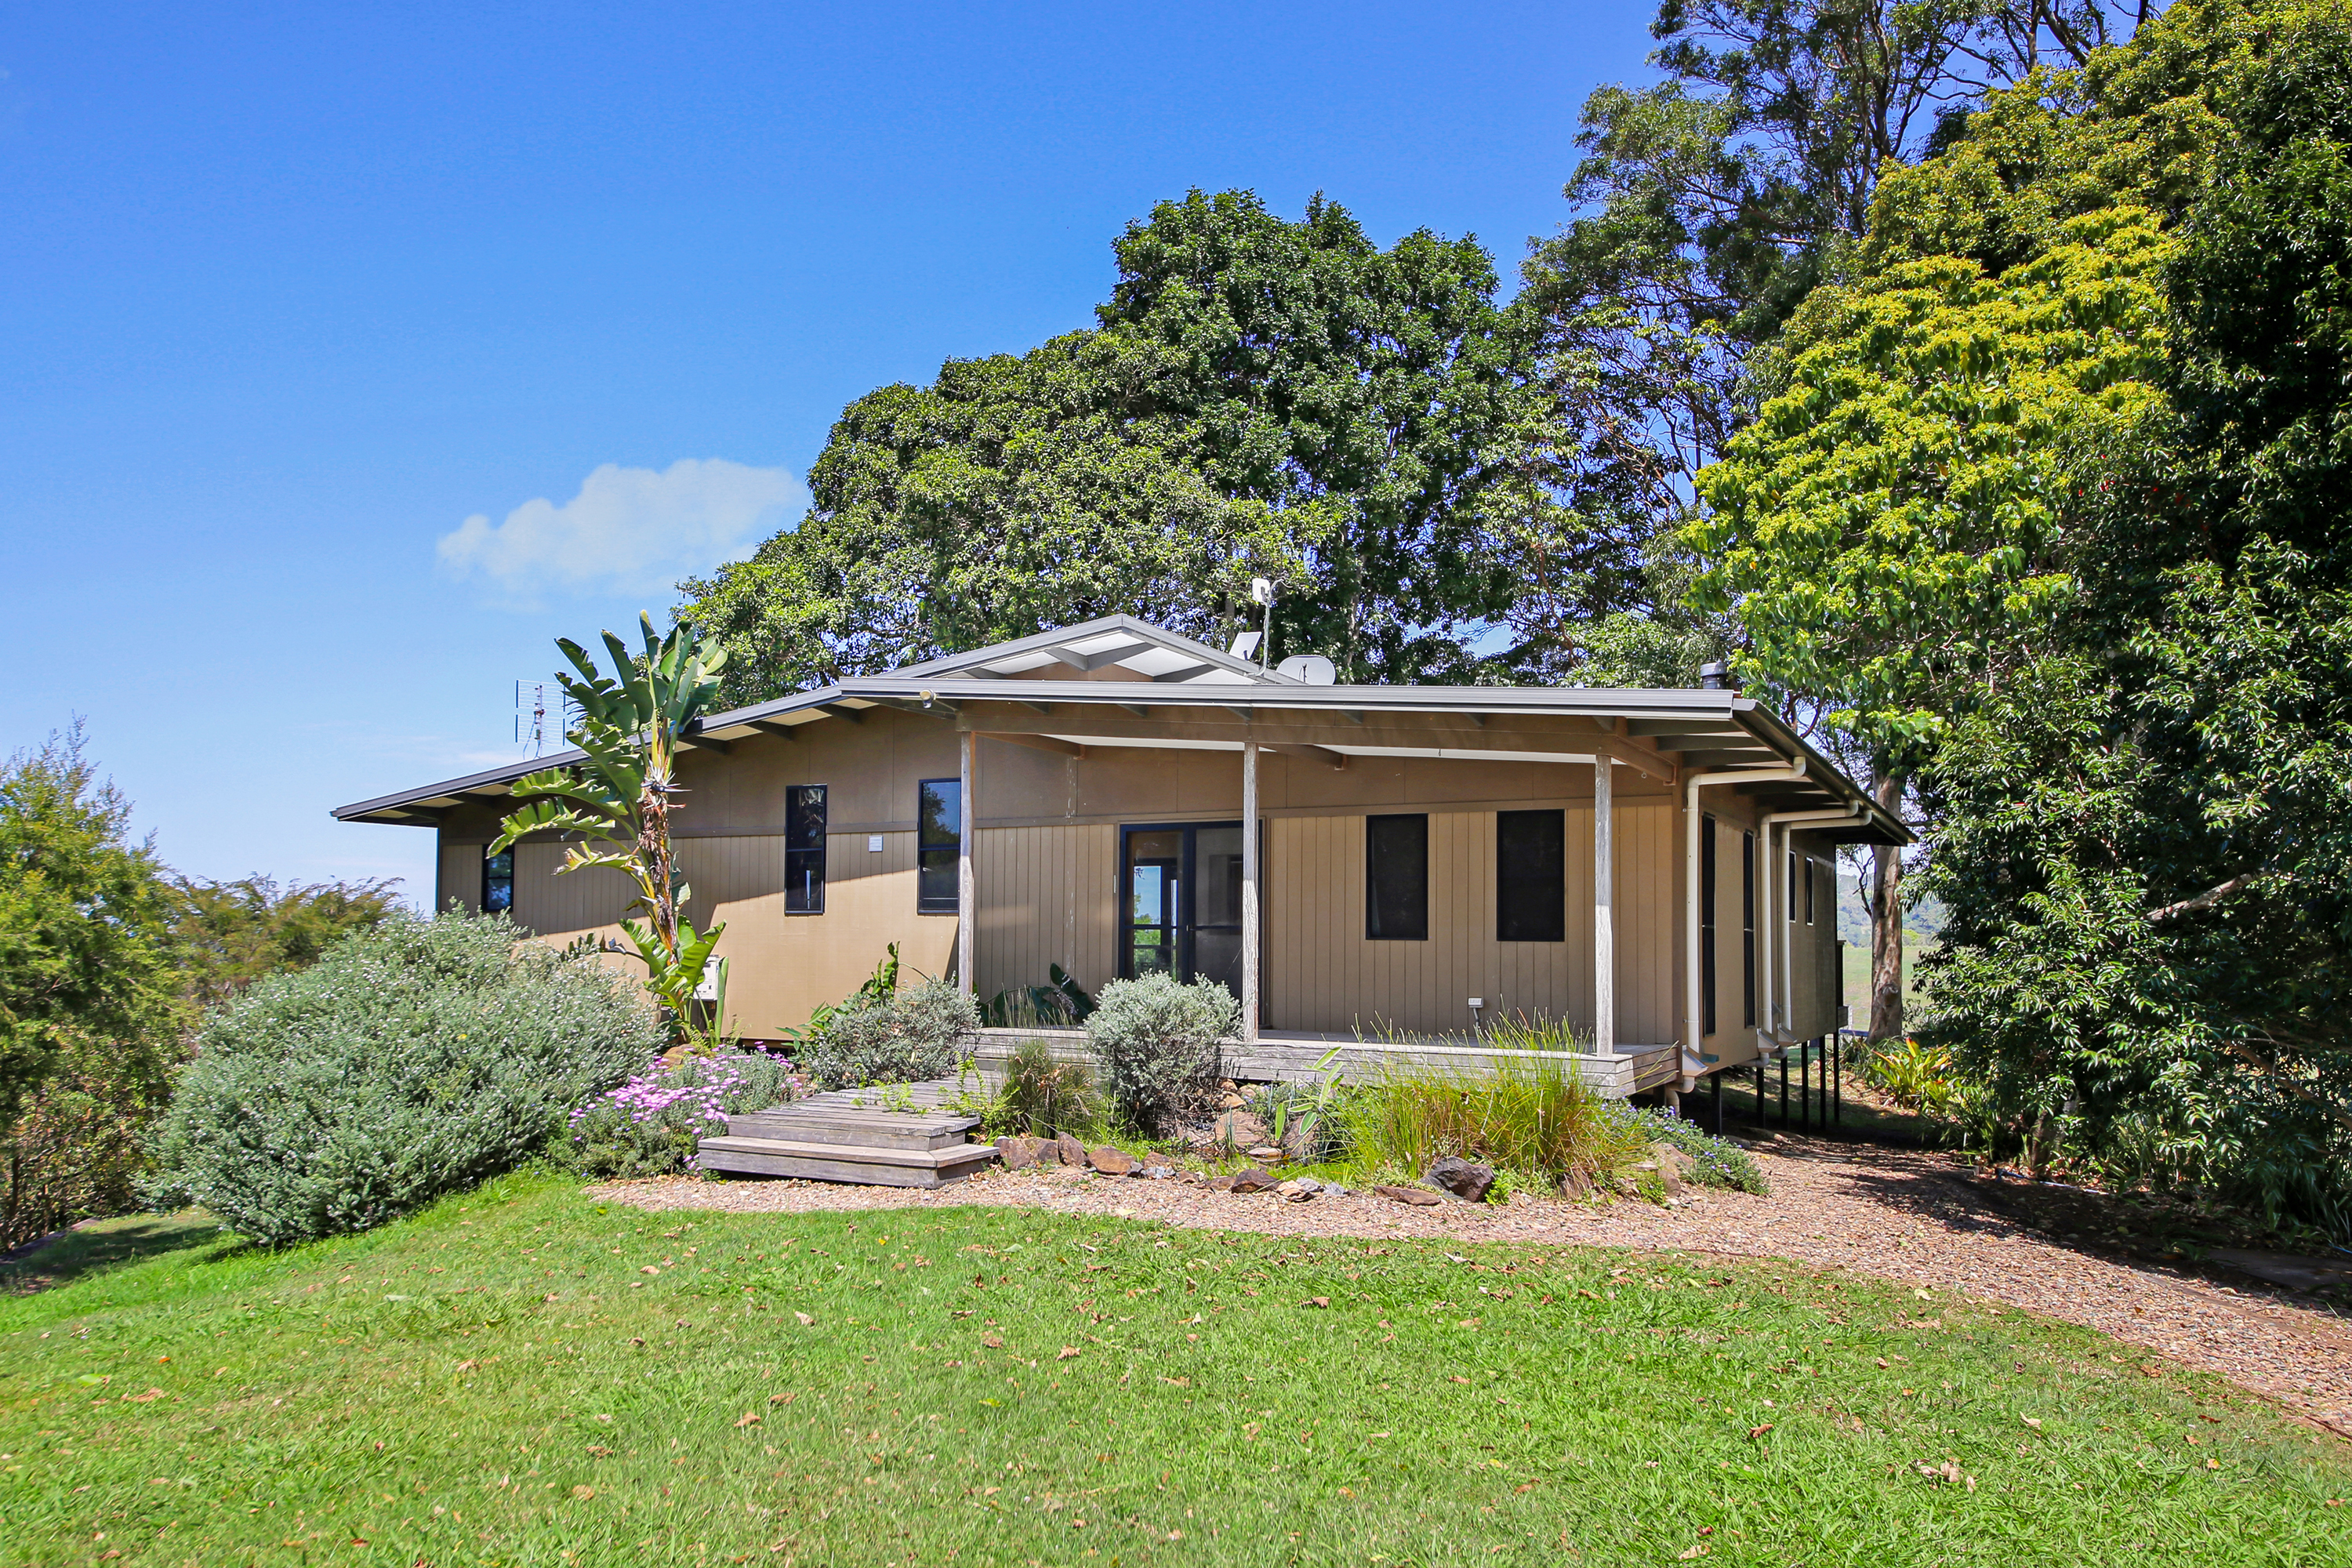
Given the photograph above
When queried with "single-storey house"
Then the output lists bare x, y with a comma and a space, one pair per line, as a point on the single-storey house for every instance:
1399, 862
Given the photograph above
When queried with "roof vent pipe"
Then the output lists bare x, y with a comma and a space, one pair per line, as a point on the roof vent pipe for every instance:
1715, 675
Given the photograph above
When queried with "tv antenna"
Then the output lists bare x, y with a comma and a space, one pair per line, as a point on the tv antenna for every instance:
530, 717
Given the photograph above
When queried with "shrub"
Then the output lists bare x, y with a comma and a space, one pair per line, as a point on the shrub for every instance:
1715, 1161
1538, 1120
919, 1033
1156, 1042
649, 1126
1042, 1098
412, 1061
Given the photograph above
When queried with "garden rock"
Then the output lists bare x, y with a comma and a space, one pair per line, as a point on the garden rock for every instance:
1111, 1162
1466, 1179
1413, 1195
1049, 1152
1018, 1154
1299, 1189
1073, 1152
1269, 1154
1672, 1164
1157, 1172
1256, 1179
1220, 1184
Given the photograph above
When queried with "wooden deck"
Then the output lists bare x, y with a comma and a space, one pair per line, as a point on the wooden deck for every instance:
1289, 1056
909, 1135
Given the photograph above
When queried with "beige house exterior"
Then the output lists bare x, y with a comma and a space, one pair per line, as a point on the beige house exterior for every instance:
1386, 861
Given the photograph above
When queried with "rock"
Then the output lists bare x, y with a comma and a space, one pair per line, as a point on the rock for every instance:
1157, 1172
1073, 1151
1256, 1179
1220, 1184
1111, 1162
1309, 1184
1466, 1179
1673, 1166
1333, 1190
1269, 1154
1018, 1154
1413, 1195
1049, 1152
1231, 1101
1299, 1189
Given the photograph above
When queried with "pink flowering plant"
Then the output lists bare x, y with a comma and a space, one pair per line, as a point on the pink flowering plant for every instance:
649, 1125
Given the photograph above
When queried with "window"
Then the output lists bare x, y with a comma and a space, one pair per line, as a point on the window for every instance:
1811, 871
804, 849
1396, 877
1747, 928
1706, 924
939, 844
1792, 886
1530, 875
498, 882
1181, 890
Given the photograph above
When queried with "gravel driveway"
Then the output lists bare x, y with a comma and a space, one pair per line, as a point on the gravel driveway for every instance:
1918, 1218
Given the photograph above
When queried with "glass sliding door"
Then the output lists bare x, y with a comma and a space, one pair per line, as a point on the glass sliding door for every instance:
1181, 898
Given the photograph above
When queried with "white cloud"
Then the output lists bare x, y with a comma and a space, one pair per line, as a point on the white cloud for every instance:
629, 530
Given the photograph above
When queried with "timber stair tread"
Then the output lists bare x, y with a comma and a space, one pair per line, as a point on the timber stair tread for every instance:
899, 1135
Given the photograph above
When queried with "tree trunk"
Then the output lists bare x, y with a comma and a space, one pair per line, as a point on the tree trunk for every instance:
1886, 921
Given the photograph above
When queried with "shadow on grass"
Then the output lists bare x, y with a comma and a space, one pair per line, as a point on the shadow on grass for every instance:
108, 1244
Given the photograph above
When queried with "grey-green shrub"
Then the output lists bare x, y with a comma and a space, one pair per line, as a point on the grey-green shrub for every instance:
411, 1060
1155, 1043
921, 1032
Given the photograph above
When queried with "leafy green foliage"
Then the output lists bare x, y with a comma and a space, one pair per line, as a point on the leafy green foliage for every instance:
615, 811
1061, 1001
413, 1059
1042, 1098
233, 933
2146, 853
918, 1032
1157, 1043
650, 1125
1715, 1161
1260, 397
1538, 1120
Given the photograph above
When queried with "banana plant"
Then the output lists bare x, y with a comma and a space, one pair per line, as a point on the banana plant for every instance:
615, 810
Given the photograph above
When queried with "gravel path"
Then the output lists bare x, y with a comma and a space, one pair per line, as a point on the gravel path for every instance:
1917, 1218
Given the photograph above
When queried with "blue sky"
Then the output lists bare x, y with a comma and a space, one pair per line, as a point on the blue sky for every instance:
287, 297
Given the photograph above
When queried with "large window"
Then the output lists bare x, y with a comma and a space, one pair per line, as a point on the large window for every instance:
804, 849
498, 882
1396, 877
1182, 889
1530, 875
939, 844
1747, 928
1706, 924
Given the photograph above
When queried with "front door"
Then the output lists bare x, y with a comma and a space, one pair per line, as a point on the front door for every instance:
1180, 894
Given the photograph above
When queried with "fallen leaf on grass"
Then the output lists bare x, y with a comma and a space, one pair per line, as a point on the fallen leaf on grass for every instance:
1067, 1352
1316, 1301
468, 1366
1755, 1432
583, 1493
147, 1398
1697, 1550
993, 1341
783, 1398
750, 1418
806, 1321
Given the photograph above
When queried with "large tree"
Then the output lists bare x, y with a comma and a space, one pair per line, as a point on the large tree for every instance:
1259, 397
2149, 839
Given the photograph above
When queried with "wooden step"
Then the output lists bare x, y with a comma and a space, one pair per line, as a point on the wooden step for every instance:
805, 1124
869, 1165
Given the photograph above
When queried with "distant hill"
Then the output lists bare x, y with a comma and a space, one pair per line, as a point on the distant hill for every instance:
1921, 924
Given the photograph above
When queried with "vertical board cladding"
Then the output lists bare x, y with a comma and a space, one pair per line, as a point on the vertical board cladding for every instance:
459, 877
1324, 974
1829, 956
780, 966
1046, 896
1732, 1039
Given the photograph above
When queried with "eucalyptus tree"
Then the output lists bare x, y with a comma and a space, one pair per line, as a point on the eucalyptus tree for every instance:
613, 810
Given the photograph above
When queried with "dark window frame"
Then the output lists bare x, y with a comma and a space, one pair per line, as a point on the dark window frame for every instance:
1539, 912
492, 879
804, 894
1373, 870
1706, 869
1747, 928
1187, 925
933, 903
1812, 874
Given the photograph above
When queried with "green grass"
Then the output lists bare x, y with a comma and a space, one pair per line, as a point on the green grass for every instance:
500, 1381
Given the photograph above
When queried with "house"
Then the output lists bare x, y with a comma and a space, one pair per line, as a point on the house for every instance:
1395, 861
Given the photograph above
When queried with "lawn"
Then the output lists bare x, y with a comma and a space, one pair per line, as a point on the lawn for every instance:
525, 1376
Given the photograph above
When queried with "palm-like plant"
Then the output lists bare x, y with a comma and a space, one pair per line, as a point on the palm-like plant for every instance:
616, 808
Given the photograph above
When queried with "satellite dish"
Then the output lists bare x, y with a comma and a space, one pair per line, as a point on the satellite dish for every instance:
1311, 668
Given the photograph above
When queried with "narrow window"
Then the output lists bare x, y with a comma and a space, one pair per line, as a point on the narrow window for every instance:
1747, 928
1792, 886
939, 844
498, 882
1396, 877
1706, 924
804, 849
1530, 875
1811, 871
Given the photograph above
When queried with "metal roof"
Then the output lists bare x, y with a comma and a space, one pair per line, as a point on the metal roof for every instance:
1702, 729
